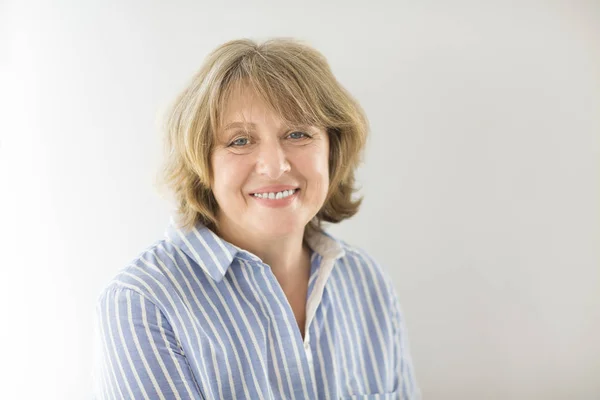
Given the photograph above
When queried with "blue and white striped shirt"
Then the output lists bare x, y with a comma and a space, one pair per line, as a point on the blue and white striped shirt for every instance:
194, 317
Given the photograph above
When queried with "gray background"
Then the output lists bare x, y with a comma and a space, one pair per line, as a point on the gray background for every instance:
481, 175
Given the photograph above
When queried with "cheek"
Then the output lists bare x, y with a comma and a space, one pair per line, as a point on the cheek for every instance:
229, 173
322, 160
314, 165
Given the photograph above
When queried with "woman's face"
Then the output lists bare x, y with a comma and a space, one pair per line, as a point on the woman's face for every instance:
268, 180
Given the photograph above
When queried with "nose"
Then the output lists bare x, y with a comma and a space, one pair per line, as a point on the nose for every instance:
272, 160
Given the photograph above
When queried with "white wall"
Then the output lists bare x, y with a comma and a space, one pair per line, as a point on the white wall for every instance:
481, 176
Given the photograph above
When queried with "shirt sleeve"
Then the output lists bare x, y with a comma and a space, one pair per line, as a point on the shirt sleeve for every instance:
136, 353
404, 376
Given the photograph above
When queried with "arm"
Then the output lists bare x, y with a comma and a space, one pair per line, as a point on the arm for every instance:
404, 378
137, 354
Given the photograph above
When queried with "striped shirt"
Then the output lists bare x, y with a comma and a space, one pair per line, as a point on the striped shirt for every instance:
195, 317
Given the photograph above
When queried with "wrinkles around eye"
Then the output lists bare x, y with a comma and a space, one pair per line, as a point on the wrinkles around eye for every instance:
240, 142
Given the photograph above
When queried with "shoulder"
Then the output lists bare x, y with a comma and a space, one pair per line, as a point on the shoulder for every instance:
364, 266
369, 281
145, 276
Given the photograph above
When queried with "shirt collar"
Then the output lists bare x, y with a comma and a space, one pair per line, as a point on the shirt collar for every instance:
214, 255
324, 244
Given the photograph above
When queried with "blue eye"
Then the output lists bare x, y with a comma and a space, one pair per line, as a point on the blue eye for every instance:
239, 142
297, 135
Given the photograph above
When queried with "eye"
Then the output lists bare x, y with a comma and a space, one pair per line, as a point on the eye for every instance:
240, 142
298, 135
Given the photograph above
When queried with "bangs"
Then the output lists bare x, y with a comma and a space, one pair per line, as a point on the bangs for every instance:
276, 86
296, 84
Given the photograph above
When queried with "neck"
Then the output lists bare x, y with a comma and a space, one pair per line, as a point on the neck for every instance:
285, 254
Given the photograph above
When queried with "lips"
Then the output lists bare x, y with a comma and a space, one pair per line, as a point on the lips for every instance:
273, 189
275, 195
276, 200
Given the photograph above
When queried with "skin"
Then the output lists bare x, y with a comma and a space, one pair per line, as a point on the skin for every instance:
247, 158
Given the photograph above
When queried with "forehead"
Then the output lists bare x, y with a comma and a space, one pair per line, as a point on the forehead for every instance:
245, 106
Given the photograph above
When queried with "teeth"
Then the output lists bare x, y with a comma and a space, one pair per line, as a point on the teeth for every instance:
275, 196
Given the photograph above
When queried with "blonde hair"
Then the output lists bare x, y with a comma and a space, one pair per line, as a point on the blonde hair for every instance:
293, 79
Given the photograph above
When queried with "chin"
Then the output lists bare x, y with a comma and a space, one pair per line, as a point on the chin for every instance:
279, 227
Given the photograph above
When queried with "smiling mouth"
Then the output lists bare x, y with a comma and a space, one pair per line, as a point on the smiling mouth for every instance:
275, 195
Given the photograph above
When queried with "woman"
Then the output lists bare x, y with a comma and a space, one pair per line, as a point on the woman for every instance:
247, 297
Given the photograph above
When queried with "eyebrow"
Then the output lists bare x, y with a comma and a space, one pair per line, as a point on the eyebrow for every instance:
252, 125
239, 125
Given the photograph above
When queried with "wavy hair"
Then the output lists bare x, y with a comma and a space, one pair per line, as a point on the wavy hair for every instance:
296, 82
